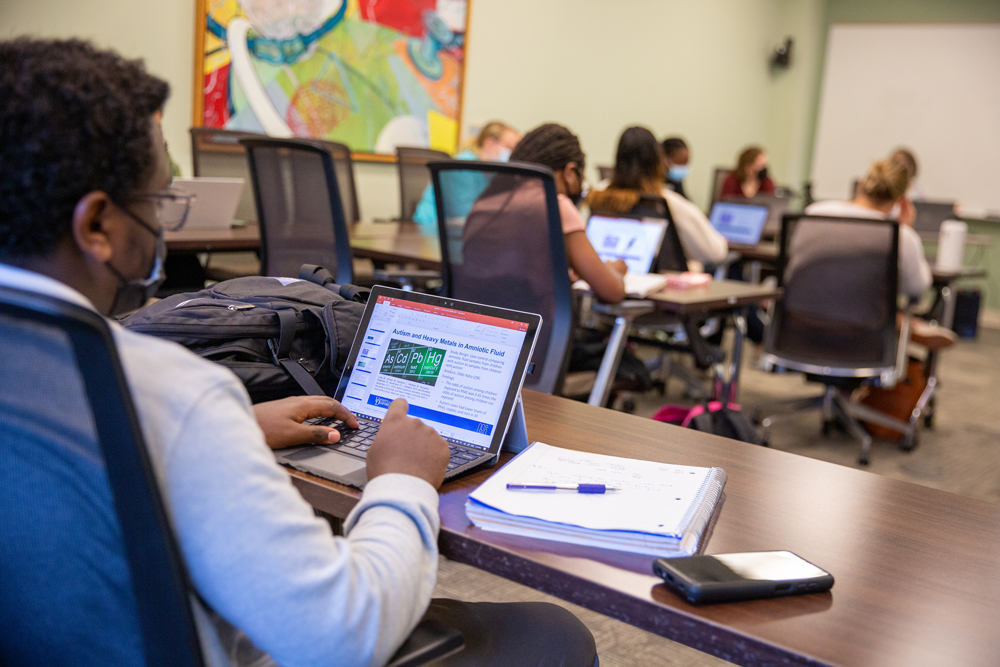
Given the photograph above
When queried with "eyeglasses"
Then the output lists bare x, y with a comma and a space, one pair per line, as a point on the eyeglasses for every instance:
171, 207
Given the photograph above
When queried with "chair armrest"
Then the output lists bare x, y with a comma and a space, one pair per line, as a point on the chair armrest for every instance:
429, 641
903, 344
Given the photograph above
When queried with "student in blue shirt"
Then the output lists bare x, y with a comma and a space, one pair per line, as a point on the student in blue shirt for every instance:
494, 143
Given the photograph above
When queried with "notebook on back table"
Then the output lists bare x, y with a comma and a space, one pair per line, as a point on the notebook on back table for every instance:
459, 365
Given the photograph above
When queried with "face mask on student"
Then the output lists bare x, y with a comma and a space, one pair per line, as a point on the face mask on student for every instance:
679, 172
762, 174
133, 293
503, 155
894, 213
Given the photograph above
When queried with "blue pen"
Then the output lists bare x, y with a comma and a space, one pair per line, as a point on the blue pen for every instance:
578, 488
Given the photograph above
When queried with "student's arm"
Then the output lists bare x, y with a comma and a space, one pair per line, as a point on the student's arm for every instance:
604, 279
426, 211
699, 238
260, 558
915, 275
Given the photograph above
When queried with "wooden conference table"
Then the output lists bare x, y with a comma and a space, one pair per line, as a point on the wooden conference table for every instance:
916, 573
390, 242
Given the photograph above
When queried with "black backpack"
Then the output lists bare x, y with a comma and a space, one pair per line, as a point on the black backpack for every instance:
281, 336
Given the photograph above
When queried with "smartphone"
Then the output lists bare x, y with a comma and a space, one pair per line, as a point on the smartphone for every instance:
745, 576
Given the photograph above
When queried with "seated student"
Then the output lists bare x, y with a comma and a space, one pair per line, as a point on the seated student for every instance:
557, 148
494, 143
676, 157
880, 193
82, 165
750, 176
638, 171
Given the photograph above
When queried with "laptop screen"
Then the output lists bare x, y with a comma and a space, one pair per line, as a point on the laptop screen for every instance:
739, 223
635, 241
458, 365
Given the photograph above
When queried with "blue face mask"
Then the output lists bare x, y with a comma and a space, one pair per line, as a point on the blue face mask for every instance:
503, 155
679, 172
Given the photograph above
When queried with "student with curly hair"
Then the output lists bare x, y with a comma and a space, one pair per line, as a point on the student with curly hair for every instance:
83, 178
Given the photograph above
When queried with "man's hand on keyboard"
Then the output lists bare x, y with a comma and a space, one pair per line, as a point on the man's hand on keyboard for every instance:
281, 421
407, 445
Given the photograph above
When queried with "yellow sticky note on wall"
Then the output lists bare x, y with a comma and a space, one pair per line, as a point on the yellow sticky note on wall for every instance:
442, 132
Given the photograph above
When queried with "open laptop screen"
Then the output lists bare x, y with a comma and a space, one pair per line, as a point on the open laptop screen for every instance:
739, 223
458, 365
635, 241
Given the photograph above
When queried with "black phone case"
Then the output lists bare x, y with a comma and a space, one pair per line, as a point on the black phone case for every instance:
730, 591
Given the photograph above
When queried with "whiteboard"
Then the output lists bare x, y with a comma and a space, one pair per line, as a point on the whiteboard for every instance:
932, 88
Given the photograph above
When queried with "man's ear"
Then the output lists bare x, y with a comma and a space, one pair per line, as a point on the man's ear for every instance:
90, 225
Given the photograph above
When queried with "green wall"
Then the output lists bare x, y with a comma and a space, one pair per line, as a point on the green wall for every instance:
916, 11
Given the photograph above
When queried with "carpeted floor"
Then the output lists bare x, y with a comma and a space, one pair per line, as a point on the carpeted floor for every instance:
961, 454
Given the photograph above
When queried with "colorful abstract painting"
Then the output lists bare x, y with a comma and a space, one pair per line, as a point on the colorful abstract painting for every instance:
371, 74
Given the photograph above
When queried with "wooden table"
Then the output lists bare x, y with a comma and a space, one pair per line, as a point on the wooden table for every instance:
917, 581
719, 297
390, 242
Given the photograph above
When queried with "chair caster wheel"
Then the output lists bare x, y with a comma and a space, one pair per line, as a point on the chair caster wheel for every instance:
765, 441
909, 442
863, 460
628, 406
828, 427
929, 421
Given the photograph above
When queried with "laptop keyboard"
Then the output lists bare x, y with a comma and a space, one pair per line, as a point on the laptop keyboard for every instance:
359, 440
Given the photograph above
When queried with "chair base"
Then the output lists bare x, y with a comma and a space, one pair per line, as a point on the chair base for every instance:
837, 408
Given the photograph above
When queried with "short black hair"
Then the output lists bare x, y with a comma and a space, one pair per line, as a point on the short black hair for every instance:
73, 119
673, 144
551, 146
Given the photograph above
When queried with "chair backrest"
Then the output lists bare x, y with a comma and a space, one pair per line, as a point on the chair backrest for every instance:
838, 313
216, 152
672, 256
414, 176
718, 179
90, 565
507, 250
605, 173
301, 216
344, 166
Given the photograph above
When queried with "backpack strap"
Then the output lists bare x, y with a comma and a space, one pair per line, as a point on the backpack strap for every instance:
281, 348
317, 274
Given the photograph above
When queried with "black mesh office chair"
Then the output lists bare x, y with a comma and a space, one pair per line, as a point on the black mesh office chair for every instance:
301, 216
665, 331
414, 176
343, 164
502, 244
71, 355
837, 320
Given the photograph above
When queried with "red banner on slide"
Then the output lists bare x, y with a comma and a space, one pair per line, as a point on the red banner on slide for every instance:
457, 314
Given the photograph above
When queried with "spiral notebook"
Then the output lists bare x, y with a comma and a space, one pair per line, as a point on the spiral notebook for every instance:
661, 509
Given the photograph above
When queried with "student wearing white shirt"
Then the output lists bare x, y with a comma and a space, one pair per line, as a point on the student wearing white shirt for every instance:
83, 168
639, 169
880, 193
